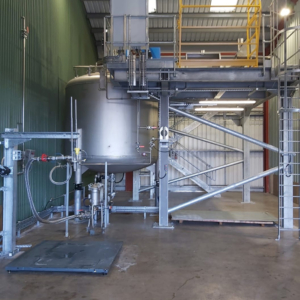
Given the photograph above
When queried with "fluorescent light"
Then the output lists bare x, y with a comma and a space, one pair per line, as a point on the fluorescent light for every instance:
151, 6
219, 4
220, 109
285, 12
237, 102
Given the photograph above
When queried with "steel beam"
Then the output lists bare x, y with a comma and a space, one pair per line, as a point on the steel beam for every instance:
185, 15
225, 189
229, 131
39, 135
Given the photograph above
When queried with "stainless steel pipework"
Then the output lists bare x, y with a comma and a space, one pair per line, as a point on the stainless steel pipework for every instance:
143, 81
132, 70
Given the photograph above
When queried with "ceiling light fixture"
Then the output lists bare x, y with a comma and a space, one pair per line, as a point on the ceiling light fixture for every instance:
234, 102
219, 109
285, 12
219, 5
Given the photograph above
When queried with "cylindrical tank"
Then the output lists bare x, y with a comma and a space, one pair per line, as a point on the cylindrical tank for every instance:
113, 126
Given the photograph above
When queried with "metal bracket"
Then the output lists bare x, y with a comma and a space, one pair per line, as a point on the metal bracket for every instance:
10, 143
17, 155
164, 135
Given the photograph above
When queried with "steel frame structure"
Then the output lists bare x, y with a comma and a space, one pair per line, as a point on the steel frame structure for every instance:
12, 139
252, 43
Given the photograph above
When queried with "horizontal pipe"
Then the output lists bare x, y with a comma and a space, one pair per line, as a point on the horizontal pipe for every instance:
205, 140
196, 174
225, 189
134, 209
229, 131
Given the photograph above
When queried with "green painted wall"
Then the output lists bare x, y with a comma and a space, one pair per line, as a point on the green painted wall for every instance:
59, 38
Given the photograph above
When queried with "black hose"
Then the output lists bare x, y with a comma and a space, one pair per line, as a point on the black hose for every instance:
121, 179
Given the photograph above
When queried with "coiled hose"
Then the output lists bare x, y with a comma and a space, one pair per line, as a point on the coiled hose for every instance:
31, 203
60, 166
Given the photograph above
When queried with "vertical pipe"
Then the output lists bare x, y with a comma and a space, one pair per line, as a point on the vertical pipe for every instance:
78, 176
67, 195
264, 45
72, 141
124, 34
174, 45
132, 70
105, 198
143, 81
104, 37
76, 127
179, 33
9, 204
24, 31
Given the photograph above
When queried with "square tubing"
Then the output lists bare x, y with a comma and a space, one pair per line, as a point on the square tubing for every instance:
136, 186
106, 208
247, 160
164, 164
9, 205
67, 195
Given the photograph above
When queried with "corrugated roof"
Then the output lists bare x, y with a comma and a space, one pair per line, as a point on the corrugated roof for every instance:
161, 28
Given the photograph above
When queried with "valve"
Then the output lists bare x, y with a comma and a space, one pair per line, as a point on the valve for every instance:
4, 171
44, 157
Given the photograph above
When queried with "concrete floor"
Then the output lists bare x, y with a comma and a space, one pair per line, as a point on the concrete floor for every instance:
193, 261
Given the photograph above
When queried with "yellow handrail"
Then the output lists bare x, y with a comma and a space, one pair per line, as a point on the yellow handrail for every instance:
252, 32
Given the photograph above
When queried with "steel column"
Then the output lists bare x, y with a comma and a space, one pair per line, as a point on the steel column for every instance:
9, 204
163, 163
247, 160
136, 186
286, 139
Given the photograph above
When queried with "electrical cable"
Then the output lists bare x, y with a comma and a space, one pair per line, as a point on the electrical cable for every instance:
121, 179
31, 203
60, 166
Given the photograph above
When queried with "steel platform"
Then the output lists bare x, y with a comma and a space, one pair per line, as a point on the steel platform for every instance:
68, 256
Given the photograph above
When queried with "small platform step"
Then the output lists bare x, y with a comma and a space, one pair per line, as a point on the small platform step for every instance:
261, 218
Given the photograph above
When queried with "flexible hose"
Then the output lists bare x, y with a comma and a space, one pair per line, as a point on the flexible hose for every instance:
121, 179
31, 203
63, 182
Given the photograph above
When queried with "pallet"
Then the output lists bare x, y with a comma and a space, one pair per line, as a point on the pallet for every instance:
221, 217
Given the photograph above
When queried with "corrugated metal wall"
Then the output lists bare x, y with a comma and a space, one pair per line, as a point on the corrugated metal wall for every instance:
59, 38
216, 156
292, 47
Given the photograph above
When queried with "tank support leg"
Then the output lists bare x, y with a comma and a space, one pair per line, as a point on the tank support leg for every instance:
136, 186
